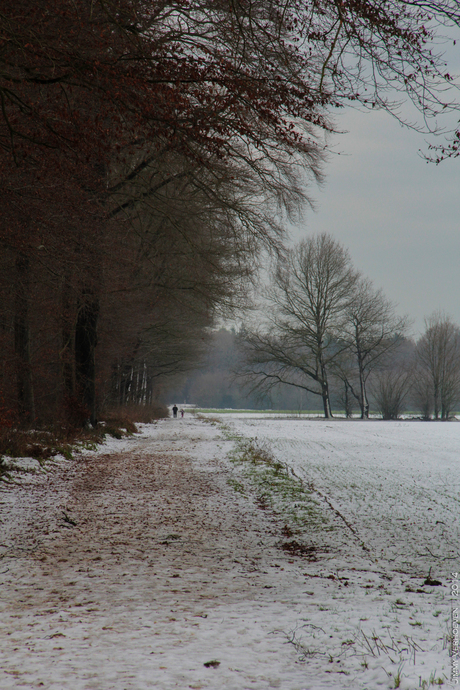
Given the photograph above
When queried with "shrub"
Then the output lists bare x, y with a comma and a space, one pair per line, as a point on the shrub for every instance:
390, 389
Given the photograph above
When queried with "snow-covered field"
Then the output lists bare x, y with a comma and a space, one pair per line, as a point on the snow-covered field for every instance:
138, 564
396, 488
398, 483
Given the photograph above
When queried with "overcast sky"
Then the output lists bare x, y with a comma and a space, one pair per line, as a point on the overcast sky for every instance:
398, 215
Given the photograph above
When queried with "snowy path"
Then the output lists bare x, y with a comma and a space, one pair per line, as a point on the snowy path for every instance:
167, 567
163, 572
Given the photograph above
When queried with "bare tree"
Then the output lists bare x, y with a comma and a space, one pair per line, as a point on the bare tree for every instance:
438, 355
373, 331
422, 393
312, 289
390, 389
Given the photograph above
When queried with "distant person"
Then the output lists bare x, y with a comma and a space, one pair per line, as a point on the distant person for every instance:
175, 411
182, 413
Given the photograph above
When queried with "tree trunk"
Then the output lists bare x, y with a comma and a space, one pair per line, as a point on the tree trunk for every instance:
325, 395
363, 404
149, 388
436, 400
347, 401
67, 370
85, 347
24, 382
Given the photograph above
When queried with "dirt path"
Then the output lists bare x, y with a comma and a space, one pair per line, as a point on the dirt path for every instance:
133, 569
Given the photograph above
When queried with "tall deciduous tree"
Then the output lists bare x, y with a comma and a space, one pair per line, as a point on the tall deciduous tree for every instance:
438, 355
312, 289
373, 331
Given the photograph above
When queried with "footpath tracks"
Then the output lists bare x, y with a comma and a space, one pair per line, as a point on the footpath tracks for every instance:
137, 568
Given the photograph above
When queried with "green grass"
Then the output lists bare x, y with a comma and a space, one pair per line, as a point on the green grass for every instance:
229, 410
274, 486
336, 414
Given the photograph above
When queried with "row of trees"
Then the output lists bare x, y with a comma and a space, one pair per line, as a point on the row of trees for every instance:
435, 380
328, 327
421, 377
134, 137
146, 147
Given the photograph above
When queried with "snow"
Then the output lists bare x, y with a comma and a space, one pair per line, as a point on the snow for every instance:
135, 565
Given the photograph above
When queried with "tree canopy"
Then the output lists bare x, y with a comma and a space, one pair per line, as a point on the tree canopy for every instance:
148, 152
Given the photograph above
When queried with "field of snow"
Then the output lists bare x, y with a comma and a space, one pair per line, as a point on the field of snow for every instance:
398, 483
395, 487
162, 562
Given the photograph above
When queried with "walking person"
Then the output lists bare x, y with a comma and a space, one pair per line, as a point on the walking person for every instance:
174, 409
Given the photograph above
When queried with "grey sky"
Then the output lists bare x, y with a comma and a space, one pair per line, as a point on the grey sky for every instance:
398, 216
